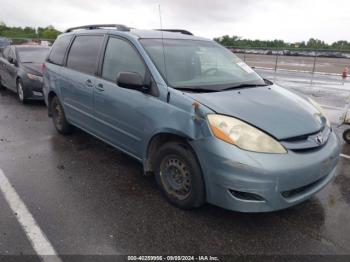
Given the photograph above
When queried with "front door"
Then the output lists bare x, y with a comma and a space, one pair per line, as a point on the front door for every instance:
121, 113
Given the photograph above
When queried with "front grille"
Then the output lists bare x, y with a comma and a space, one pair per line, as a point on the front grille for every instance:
308, 150
308, 143
298, 138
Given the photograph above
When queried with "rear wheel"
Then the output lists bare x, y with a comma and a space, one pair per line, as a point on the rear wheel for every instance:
179, 175
20, 92
59, 118
346, 136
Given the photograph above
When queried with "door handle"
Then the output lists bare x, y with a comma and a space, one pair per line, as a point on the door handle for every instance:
89, 83
100, 88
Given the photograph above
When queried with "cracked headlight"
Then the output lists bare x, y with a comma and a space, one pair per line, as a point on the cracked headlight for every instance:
243, 135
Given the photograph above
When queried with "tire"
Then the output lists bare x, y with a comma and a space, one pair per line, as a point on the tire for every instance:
20, 92
59, 117
179, 175
346, 136
1, 85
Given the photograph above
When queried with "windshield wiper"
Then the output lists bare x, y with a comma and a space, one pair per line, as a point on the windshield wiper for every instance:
243, 86
216, 89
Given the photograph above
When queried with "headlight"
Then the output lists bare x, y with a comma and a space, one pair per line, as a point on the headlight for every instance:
34, 77
320, 110
247, 137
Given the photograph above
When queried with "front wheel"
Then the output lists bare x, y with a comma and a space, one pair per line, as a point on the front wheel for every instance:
179, 175
346, 136
20, 92
59, 117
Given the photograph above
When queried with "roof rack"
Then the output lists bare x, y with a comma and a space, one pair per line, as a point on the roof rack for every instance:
181, 31
90, 27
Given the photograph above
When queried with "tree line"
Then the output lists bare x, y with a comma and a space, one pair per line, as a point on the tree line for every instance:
312, 43
48, 32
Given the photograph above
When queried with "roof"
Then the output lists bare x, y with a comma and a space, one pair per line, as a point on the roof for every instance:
163, 34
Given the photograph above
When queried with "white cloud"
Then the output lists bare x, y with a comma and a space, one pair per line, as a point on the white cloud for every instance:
258, 19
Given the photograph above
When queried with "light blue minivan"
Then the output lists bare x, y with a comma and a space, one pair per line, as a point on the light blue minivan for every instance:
202, 121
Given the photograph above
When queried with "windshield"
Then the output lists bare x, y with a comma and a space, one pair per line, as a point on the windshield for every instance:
33, 55
199, 64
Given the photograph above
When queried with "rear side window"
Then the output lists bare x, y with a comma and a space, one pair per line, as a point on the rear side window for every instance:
83, 55
120, 56
59, 50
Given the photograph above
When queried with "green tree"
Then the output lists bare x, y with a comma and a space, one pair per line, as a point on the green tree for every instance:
49, 33
27, 32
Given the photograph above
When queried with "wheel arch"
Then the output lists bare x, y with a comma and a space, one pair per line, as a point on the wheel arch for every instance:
159, 139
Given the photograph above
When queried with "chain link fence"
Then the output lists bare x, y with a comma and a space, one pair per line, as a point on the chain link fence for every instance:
312, 61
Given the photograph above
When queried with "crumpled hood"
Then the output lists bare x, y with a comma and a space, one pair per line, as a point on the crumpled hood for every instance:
32, 68
273, 109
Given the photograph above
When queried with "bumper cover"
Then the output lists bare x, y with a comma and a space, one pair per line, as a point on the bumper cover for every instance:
280, 180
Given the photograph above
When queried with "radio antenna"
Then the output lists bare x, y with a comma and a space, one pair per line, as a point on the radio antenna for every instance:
163, 47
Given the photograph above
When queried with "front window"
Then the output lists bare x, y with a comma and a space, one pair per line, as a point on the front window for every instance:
32, 55
120, 56
193, 64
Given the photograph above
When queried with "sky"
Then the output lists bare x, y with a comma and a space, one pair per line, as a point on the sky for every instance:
289, 20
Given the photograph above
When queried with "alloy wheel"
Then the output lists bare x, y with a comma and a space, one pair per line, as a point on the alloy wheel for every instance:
20, 92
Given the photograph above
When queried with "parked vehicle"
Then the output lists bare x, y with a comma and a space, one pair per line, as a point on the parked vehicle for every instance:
4, 42
21, 70
345, 120
209, 127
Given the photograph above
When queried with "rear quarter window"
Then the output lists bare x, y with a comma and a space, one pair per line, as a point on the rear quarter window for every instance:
58, 50
84, 53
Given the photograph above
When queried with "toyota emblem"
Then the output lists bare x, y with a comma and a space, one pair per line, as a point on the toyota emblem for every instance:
319, 139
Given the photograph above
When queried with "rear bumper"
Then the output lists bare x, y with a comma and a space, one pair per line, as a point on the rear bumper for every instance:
256, 182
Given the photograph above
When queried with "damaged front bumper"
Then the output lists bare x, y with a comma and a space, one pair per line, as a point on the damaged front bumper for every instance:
257, 182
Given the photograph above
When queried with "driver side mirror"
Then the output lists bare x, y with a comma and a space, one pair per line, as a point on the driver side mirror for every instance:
132, 80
